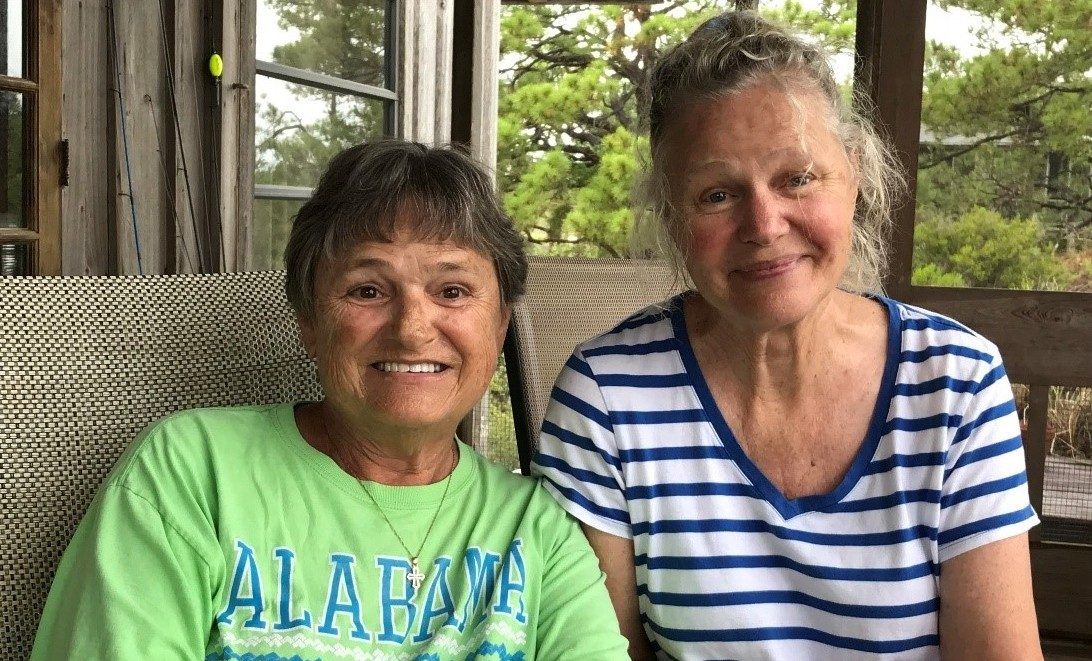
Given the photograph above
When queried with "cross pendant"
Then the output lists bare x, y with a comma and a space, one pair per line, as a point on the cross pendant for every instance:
415, 576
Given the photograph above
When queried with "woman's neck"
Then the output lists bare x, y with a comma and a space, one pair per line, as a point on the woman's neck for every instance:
771, 363
396, 462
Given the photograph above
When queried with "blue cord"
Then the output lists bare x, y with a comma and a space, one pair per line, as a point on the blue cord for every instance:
125, 139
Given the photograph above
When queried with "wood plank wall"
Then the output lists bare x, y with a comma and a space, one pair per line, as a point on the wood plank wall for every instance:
98, 235
425, 70
237, 136
199, 223
193, 38
86, 120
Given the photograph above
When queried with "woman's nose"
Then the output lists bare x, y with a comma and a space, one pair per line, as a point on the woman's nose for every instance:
413, 320
762, 219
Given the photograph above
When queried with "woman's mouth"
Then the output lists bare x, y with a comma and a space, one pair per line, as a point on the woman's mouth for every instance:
416, 368
768, 268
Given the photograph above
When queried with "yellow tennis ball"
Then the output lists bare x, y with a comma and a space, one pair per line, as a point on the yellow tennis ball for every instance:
216, 65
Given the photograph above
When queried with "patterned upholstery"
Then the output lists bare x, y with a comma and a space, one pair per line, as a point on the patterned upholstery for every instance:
86, 363
569, 300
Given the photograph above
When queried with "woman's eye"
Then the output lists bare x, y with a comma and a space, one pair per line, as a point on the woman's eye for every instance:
800, 179
716, 197
366, 291
452, 292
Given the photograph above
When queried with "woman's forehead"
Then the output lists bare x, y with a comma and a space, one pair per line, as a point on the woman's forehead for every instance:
789, 99
406, 253
405, 223
754, 124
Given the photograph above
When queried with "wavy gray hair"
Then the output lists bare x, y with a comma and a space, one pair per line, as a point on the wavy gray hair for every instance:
728, 54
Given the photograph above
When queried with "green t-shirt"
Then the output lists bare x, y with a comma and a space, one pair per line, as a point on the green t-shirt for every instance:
221, 534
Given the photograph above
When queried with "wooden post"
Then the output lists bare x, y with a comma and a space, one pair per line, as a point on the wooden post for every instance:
1035, 449
483, 110
47, 190
87, 115
237, 134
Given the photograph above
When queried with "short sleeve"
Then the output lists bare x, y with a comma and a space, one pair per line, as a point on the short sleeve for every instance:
129, 586
576, 620
577, 458
138, 579
984, 497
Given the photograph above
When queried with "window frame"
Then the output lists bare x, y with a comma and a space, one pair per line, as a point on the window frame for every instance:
389, 95
42, 148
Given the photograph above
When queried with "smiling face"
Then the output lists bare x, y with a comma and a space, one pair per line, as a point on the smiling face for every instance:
406, 334
766, 197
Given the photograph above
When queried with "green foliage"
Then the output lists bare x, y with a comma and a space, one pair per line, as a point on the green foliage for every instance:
12, 116
342, 38
572, 110
1006, 129
932, 275
500, 446
983, 249
1009, 127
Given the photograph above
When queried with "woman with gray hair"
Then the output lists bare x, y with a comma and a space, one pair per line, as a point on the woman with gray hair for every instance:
782, 463
355, 527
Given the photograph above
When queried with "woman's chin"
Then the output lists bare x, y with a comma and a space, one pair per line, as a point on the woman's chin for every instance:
770, 311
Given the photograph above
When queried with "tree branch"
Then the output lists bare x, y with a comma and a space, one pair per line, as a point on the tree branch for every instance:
561, 57
968, 148
1055, 203
527, 232
273, 136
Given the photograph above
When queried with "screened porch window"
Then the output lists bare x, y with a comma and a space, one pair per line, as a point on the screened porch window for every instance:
325, 80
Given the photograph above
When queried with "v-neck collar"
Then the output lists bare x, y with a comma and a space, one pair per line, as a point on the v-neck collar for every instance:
789, 508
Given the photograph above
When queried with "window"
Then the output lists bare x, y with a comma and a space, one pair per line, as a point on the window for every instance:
1003, 164
30, 123
325, 80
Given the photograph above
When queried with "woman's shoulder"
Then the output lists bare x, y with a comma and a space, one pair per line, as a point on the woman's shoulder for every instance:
217, 416
223, 425
196, 439
921, 328
643, 328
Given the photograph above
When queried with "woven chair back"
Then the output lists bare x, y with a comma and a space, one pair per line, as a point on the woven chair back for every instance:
86, 363
569, 300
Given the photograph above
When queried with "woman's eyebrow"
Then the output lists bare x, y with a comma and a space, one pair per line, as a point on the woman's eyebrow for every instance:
784, 153
362, 263
448, 266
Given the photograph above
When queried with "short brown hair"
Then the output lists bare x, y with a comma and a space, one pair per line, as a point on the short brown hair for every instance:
364, 188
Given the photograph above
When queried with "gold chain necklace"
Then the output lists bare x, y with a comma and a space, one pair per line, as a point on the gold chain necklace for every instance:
415, 576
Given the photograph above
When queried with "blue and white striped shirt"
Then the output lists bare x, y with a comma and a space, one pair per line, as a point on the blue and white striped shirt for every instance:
634, 445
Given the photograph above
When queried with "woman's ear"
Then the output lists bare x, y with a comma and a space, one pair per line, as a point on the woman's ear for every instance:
505, 317
307, 336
